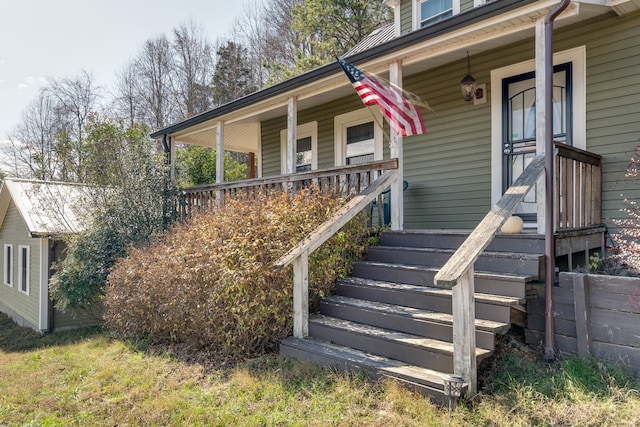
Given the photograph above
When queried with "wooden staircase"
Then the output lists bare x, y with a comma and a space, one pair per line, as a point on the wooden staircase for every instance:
389, 320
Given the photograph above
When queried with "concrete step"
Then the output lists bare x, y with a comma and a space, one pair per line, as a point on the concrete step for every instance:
530, 265
491, 307
411, 320
425, 381
527, 242
415, 350
506, 284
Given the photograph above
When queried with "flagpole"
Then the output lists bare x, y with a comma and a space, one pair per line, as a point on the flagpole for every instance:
380, 125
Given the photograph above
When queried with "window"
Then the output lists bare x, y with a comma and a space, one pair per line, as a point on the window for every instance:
429, 12
360, 144
358, 139
23, 269
8, 265
306, 148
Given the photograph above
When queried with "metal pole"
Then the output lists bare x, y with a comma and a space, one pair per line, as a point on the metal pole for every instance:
549, 250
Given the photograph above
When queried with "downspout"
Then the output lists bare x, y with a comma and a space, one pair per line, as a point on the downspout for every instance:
549, 250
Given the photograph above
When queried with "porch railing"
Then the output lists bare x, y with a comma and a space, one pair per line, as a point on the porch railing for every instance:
458, 272
346, 179
578, 195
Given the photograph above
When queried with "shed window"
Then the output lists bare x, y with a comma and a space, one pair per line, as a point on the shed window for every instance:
23, 268
8, 265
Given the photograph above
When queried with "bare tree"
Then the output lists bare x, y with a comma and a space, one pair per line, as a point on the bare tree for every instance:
49, 141
193, 56
32, 143
75, 99
154, 82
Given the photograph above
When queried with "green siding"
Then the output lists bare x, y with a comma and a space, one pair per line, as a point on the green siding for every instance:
448, 168
14, 231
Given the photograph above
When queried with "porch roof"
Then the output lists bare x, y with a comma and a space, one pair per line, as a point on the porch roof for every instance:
479, 29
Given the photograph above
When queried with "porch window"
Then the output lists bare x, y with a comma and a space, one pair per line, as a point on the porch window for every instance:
358, 140
8, 265
306, 148
304, 154
429, 12
360, 144
24, 268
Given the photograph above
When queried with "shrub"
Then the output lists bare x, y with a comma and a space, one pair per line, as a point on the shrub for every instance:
210, 282
627, 236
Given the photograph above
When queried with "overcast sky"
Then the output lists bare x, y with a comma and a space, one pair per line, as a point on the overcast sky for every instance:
59, 38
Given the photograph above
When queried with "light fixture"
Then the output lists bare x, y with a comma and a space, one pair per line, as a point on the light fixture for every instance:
468, 83
453, 385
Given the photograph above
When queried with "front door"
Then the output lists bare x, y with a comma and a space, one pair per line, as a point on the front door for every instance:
519, 127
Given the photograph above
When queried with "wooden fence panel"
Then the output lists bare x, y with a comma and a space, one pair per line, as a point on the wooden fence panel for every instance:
597, 316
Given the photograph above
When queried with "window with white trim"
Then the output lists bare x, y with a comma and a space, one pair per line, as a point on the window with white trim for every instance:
306, 148
357, 137
428, 12
24, 268
8, 265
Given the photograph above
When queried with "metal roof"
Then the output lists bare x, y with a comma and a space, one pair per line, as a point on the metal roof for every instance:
378, 36
48, 208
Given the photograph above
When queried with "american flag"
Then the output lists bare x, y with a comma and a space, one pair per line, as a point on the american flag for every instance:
402, 114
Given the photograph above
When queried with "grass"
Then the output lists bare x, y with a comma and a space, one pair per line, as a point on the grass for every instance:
87, 378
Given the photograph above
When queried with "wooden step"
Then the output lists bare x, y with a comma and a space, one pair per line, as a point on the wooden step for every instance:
531, 243
416, 350
512, 285
524, 264
488, 307
425, 381
412, 320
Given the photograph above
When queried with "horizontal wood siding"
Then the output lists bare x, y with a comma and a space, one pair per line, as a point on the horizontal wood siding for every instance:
613, 101
270, 137
406, 21
594, 316
14, 231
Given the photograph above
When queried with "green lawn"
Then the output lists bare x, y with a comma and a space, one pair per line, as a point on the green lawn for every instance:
87, 378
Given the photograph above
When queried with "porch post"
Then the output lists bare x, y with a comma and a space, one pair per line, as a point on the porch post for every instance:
396, 150
541, 123
292, 124
220, 160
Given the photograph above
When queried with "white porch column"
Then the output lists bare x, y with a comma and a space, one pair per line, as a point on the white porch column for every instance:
541, 123
396, 150
43, 322
292, 125
220, 160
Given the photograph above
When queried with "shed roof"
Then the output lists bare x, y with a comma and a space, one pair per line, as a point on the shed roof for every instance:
48, 208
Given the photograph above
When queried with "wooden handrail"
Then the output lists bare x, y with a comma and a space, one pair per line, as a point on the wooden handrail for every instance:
343, 215
458, 272
582, 156
479, 239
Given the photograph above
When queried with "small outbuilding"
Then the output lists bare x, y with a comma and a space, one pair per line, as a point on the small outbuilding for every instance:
35, 219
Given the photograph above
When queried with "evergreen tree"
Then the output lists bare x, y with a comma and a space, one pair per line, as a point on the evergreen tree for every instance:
232, 77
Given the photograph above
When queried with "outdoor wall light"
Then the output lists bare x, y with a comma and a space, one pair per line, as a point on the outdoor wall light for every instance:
468, 83
453, 385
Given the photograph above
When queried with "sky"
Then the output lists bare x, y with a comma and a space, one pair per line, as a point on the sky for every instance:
59, 38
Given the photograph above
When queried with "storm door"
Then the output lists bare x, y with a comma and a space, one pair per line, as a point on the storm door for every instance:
519, 127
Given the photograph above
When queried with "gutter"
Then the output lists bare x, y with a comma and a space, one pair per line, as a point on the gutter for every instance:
549, 243
459, 21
